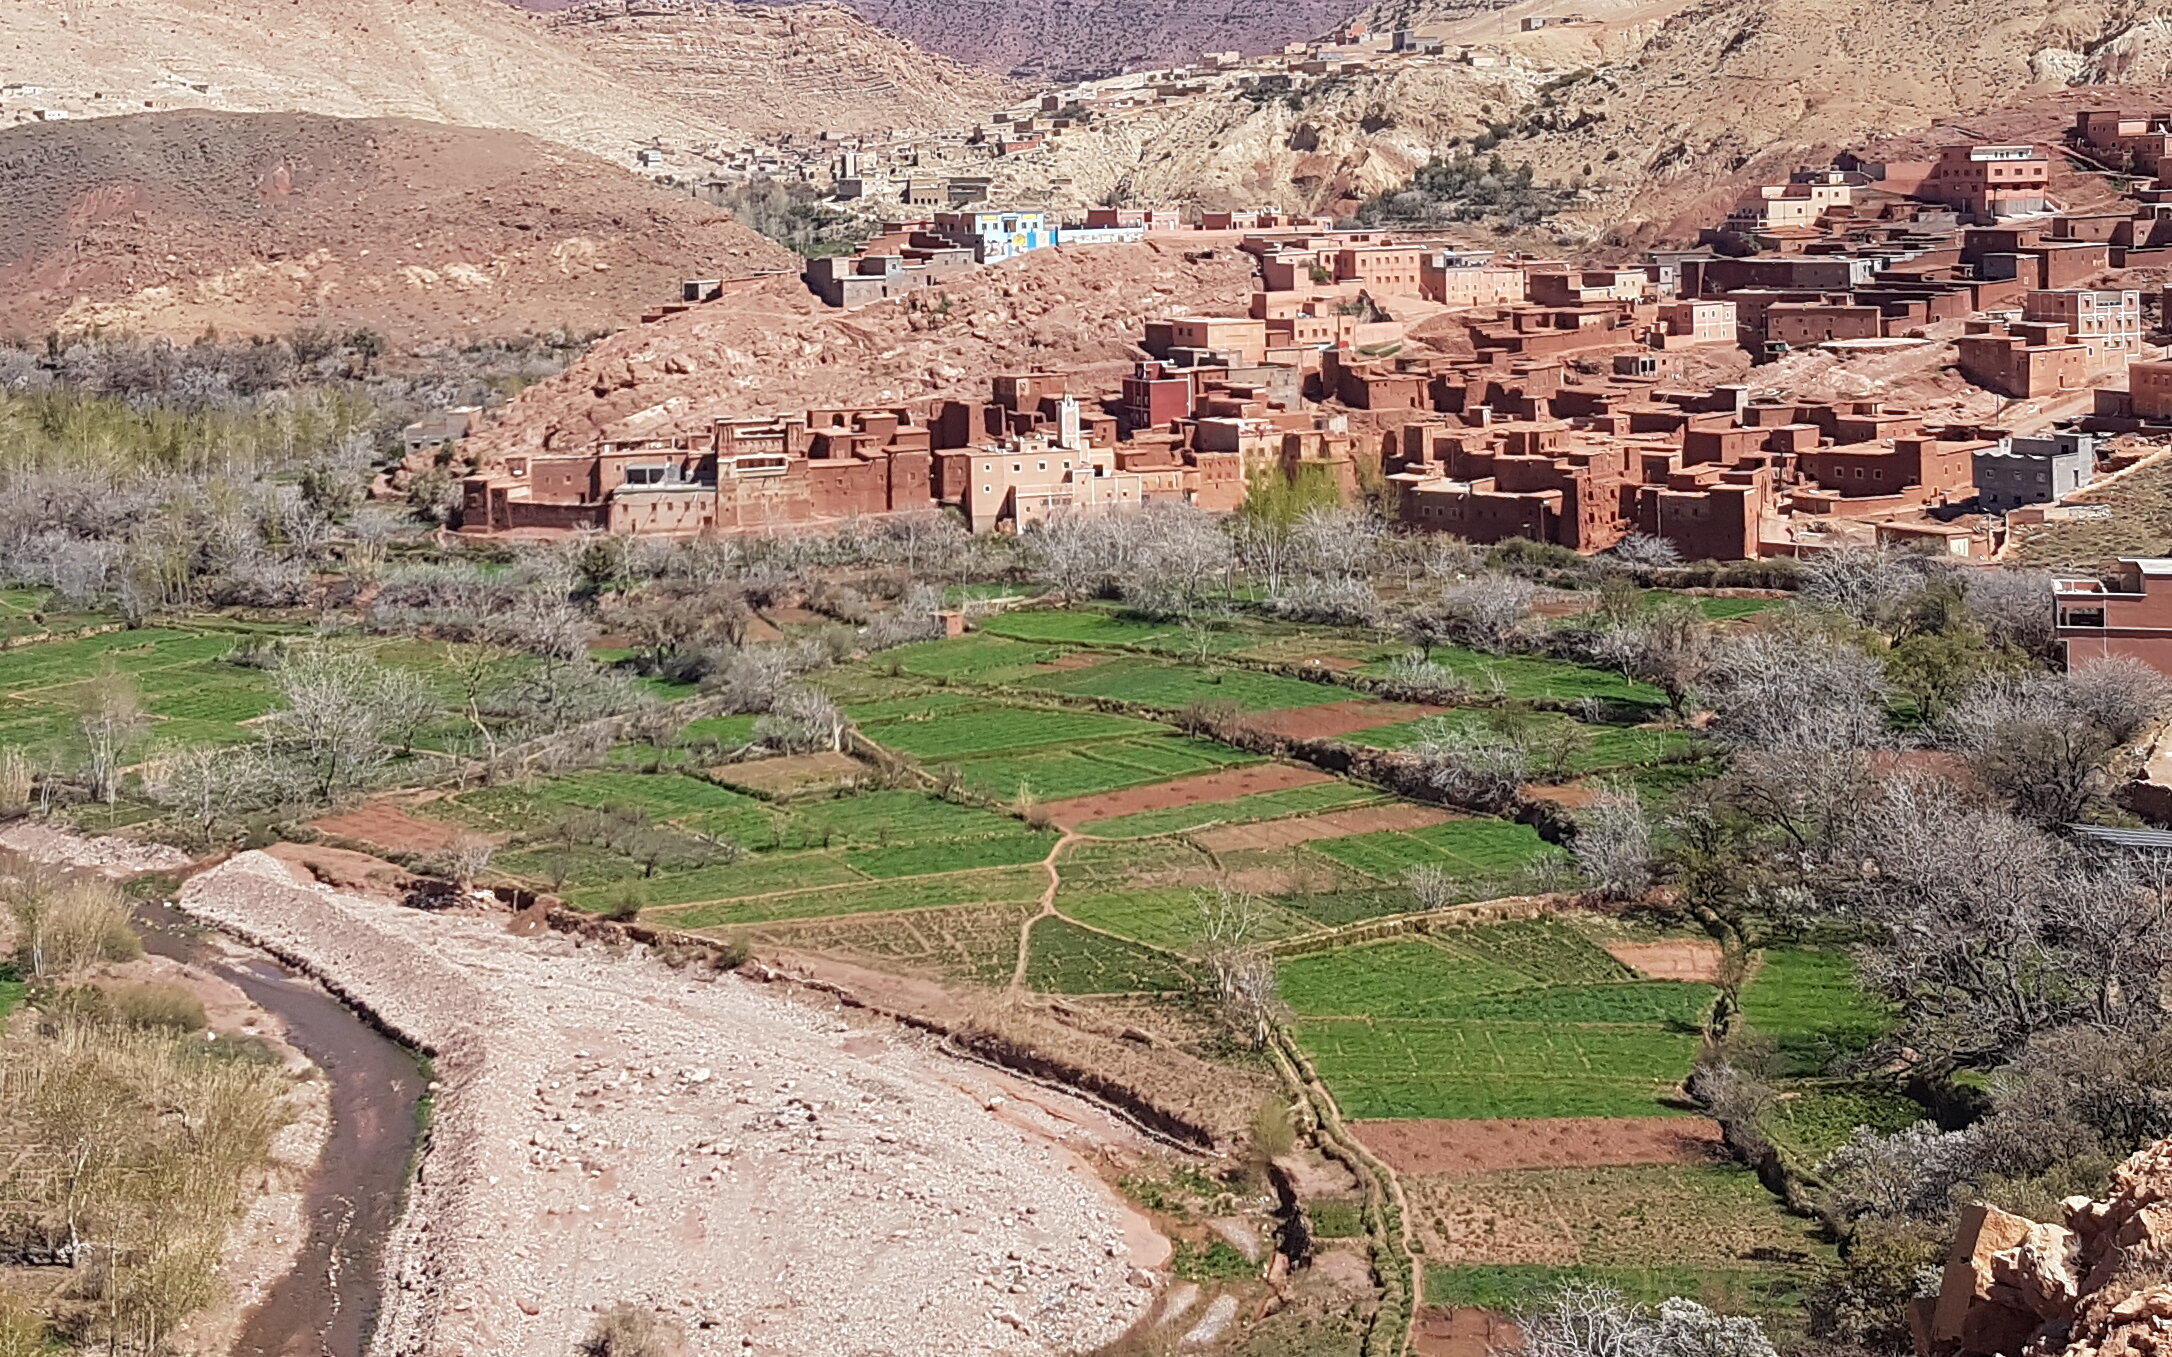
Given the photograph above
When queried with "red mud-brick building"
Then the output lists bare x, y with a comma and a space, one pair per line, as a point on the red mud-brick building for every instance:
2127, 616
1988, 182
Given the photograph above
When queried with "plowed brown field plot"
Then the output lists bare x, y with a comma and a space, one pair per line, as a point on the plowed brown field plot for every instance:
1453, 1147
1339, 824
1671, 959
1338, 718
1199, 790
1464, 1331
387, 824
790, 774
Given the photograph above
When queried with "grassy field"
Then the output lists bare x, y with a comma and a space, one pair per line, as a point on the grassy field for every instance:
1810, 1005
1811, 1121
12, 990
1505, 1020
1068, 959
1476, 850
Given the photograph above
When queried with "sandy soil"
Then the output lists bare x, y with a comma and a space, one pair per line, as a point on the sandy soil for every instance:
387, 824
1334, 825
1338, 718
112, 856
615, 1130
1695, 959
1203, 789
1464, 1147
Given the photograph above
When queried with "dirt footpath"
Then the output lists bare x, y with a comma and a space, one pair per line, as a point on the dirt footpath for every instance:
614, 1130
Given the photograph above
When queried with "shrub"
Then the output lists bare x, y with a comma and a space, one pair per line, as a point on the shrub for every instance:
63, 926
1414, 678
151, 1004
627, 905
630, 1331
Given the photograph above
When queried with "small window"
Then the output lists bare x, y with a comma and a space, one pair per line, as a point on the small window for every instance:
1041, 466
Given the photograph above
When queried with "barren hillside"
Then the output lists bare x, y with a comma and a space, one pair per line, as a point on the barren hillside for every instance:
262, 223
774, 348
1056, 38
473, 62
768, 69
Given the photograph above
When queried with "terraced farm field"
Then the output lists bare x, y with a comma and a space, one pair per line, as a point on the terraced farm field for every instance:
1526, 1019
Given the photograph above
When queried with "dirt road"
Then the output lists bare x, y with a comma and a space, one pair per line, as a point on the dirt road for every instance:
784, 1182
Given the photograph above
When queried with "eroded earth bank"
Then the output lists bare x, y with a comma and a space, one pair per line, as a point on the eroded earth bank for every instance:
613, 1130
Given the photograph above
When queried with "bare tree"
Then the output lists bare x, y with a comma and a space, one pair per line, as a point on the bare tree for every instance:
1783, 691
1232, 924
2042, 740
1179, 555
1869, 586
1643, 552
1477, 767
1338, 543
2014, 608
345, 716
1584, 1320
1669, 646
1613, 845
1487, 612
800, 720
110, 715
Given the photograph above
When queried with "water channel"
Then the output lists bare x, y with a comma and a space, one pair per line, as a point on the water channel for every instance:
329, 1304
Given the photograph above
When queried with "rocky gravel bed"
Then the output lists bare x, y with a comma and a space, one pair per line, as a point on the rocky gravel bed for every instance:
611, 1129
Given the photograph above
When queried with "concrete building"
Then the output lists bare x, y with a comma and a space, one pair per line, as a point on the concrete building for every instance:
2034, 470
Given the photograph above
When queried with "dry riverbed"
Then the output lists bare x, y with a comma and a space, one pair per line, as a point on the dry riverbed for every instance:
783, 1180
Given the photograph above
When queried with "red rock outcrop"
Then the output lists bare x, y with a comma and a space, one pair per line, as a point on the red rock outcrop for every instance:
2098, 1286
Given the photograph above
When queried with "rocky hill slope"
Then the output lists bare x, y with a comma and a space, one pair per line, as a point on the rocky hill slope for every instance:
770, 69
773, 348
1061, 38
1653, 113
172, 223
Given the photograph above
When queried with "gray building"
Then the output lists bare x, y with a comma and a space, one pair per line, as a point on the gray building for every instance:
2034, 470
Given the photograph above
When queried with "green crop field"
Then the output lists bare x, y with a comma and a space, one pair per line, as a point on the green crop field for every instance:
1167, 917
1067, 959
1483, 1070
1812, 1007
1307, 800
992, 729
1511, 1287
1810, 1121
1527, 1019
999, 885
1060, 774
1524, 678
1172, 686
1474, 849
12, 990
922, 859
